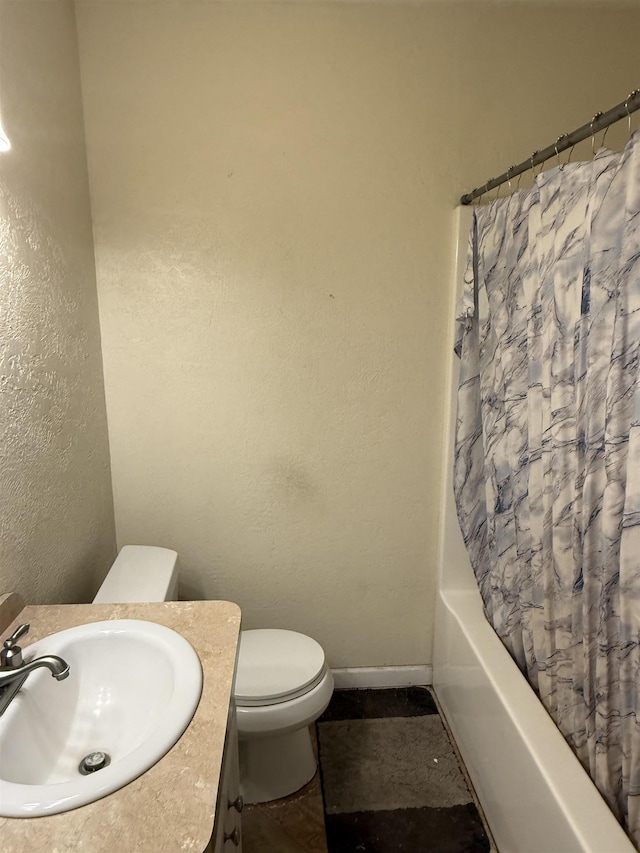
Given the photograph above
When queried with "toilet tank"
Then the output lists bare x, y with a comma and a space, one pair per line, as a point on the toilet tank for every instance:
140, 573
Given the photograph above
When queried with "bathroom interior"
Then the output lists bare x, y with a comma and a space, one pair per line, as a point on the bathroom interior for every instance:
228, 237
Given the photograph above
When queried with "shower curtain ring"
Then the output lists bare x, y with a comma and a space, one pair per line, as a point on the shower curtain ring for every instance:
509, 177
626, 107
555, 147
593, 136
534, 154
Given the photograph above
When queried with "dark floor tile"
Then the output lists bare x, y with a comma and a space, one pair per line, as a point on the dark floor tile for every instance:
385, 702
261, 834
457, 829
293, 824
301, 816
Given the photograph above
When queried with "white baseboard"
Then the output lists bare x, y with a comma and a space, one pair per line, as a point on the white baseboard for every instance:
383, 676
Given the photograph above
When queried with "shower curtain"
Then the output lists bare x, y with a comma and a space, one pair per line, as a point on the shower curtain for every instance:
547, 463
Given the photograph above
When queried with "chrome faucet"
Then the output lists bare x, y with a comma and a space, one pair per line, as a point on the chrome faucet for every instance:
14, 672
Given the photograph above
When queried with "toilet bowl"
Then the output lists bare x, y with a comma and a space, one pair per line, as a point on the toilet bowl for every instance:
283, 682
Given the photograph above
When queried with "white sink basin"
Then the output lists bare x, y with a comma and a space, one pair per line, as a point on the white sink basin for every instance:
132, 690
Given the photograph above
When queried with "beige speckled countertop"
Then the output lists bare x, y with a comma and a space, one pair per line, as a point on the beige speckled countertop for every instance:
171, 807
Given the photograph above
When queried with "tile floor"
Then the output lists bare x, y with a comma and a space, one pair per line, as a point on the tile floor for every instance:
296, 824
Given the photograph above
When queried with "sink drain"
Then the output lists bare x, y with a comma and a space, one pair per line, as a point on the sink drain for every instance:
93, 761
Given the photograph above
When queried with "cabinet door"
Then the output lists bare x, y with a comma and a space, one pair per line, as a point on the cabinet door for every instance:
233, 801
227, 836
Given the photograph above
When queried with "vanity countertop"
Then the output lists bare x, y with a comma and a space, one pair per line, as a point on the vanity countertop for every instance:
171, 807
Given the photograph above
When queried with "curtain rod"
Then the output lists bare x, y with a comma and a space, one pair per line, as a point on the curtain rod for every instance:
567, 140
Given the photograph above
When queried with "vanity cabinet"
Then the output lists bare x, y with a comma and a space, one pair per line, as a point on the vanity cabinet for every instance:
227, 831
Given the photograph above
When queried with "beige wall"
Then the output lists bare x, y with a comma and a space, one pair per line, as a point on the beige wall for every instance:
56, 510
272, 187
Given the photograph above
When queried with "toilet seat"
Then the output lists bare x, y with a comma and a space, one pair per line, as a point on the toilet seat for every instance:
279, 718
276, 666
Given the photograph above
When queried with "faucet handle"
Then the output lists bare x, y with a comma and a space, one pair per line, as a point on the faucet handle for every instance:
11, 654
20, 631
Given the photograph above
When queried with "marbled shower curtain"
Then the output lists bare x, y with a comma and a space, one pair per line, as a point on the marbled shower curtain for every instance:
547, 468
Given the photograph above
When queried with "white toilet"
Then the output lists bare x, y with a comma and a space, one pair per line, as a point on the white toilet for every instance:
283, 682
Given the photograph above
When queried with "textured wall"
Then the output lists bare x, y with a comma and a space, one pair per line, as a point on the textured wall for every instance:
272, 187
56, 516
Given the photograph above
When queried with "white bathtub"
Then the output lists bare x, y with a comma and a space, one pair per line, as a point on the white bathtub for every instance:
534, 792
